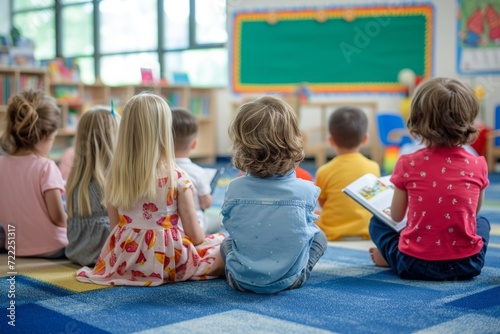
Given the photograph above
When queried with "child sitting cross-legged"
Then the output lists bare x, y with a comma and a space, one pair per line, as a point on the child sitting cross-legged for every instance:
341, 218
88, 221
185, 126
155, 235
440, 189
31, 184
273, 243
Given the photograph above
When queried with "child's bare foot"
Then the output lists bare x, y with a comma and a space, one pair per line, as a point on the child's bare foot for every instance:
377, 258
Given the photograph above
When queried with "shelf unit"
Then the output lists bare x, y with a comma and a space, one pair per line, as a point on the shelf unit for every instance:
74, 98
15, 79
201, 101
69, 97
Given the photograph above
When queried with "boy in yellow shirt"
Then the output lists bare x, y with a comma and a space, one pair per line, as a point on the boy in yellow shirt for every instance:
341, 218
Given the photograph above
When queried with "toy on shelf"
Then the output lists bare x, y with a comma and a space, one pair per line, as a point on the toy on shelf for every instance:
64, 70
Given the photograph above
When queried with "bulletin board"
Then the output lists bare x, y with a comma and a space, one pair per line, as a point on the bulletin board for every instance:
478, 26
331, 50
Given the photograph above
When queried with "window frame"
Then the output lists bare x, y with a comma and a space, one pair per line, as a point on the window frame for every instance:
160, 51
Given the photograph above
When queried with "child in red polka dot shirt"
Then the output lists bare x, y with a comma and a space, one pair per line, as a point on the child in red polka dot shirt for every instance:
440, 189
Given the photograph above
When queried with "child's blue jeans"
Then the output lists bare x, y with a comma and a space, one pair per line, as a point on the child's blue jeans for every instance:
316, 250
408, 267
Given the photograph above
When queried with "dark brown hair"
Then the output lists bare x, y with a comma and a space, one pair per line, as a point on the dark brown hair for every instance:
348, 126
266, 137
443, 111
185, 126
31, 117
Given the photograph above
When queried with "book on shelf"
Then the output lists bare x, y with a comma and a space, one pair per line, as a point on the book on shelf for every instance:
199, 105
375, 195
67, 92
6, 87
29, 82
173, 99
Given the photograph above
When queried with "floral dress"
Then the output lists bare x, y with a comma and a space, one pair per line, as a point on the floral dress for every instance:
149, 246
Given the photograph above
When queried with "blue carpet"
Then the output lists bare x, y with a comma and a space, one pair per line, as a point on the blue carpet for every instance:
345, 294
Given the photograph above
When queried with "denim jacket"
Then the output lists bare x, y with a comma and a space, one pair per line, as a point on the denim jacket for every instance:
271, 224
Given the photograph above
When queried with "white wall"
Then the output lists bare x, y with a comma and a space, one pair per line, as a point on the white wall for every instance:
4, 17
445, 58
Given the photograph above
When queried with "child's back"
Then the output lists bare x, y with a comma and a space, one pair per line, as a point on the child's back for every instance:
88, 222
185, 127
341, 217
439, 189
273, 243
32, 184
155, 235
271, 221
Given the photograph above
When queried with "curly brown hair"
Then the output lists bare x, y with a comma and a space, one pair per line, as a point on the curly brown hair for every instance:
32, 115
443, 111
266, 137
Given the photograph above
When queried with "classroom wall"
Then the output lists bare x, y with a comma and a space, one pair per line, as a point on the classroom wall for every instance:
445, 59
4, 17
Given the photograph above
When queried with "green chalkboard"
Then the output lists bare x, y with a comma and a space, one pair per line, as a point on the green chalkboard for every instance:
365, 52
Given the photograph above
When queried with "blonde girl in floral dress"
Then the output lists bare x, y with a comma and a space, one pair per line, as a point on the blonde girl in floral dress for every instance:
155, 235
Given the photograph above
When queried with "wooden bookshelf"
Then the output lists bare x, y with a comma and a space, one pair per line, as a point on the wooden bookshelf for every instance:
201, 101
74, 98
69, 97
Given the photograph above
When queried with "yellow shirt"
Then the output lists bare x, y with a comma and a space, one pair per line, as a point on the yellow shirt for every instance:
342, 216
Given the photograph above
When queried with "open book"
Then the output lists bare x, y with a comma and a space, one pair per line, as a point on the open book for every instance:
213, 175
375, 195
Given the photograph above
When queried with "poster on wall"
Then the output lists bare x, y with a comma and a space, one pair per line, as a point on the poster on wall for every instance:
478, 26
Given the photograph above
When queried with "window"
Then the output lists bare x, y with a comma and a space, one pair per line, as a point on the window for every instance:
77, 30
86, 66
31, 4
128, 25
176, 34
210, 22
38, 26
126, 69
205, 67
116, 38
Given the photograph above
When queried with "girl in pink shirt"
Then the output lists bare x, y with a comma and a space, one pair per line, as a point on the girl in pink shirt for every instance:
30, 195
440, 189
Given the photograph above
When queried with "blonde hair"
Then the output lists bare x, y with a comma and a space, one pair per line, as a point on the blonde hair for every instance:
31, 117
266, 137
442, 113
94, 146
144, 150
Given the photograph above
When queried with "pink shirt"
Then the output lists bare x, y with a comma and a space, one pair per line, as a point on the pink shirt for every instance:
443, 186
24, 180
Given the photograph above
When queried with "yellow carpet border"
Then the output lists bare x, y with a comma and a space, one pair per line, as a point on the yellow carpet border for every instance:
60, 273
